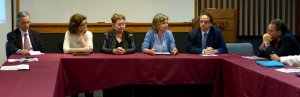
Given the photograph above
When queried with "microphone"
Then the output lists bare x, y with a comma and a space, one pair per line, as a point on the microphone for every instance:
106, 35
130, 36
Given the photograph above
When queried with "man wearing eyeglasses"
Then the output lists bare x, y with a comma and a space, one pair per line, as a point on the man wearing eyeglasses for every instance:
23, 39
206, 39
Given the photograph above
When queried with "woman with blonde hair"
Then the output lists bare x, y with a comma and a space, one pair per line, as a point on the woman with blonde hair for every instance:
159, 38
118, 41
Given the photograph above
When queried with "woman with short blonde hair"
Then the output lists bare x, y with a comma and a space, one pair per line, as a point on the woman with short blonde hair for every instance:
159, 38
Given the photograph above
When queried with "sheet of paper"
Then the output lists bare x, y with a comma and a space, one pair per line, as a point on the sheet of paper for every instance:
23, 60
35, 53
16, 67
252, 57
208, 55
162, 53
289, 70
14, 60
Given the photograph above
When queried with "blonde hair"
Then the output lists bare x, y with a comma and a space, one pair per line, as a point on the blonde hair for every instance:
117, 16
158, 18
75, 21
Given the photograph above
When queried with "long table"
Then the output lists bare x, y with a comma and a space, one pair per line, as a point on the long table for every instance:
58, 75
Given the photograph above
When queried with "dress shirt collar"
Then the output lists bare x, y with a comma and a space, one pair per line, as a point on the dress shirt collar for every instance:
205, 32
22, 32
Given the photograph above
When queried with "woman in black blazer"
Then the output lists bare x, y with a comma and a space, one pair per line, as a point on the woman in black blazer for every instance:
118, 41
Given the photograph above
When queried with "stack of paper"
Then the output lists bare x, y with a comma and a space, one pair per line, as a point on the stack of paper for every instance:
252, 57
288, 70
23, 60
162, 53
208, 55
15, 67
35, 53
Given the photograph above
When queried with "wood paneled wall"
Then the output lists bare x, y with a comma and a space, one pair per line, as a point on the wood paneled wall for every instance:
255, 15
105, 27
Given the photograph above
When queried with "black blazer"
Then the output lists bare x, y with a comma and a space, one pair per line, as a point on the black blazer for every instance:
288, 45
214, 40
14, 41
109, 42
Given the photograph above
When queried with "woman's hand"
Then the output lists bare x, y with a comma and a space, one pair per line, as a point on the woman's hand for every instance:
150, 51
119, 51
174, 51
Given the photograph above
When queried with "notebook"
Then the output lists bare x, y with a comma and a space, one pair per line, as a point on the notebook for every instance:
272, 63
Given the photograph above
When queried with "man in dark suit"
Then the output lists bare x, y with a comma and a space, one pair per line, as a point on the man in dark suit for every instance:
23, 39
278, 40
206, 39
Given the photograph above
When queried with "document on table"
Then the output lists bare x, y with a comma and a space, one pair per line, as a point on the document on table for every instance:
252, 57
35, 53
162, 53
23, 60
288, 70
15, 67
208, 55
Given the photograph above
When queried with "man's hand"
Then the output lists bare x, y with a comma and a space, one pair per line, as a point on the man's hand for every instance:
267, 39
24, 52
275, 57
209, 51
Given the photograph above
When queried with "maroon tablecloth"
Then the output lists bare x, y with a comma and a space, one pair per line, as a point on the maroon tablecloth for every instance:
39, 81
57, 75
243, 78
99, 71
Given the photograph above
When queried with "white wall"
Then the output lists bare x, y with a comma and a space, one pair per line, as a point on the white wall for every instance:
4, 29
59, 11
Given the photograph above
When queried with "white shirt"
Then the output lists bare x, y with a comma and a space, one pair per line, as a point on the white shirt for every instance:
22, 34
73, 41
290, 60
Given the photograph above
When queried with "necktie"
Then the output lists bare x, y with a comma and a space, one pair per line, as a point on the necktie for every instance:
26, 42
276, 45
204, 38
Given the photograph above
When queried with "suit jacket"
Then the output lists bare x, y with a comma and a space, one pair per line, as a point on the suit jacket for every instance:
14, 41
214, 40
287, 45
110, 40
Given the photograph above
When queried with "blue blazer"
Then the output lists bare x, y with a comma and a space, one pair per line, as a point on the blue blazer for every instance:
149, 40
287, 45
14, 41
214, 40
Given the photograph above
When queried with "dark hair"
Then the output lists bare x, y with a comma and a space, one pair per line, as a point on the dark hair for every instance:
75, 21
208, 15
279, 25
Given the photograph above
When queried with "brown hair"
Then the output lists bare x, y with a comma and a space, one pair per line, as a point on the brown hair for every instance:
116, 17
158, 18
75, 21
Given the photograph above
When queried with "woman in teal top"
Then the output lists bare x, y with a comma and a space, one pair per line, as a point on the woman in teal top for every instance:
159, 38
